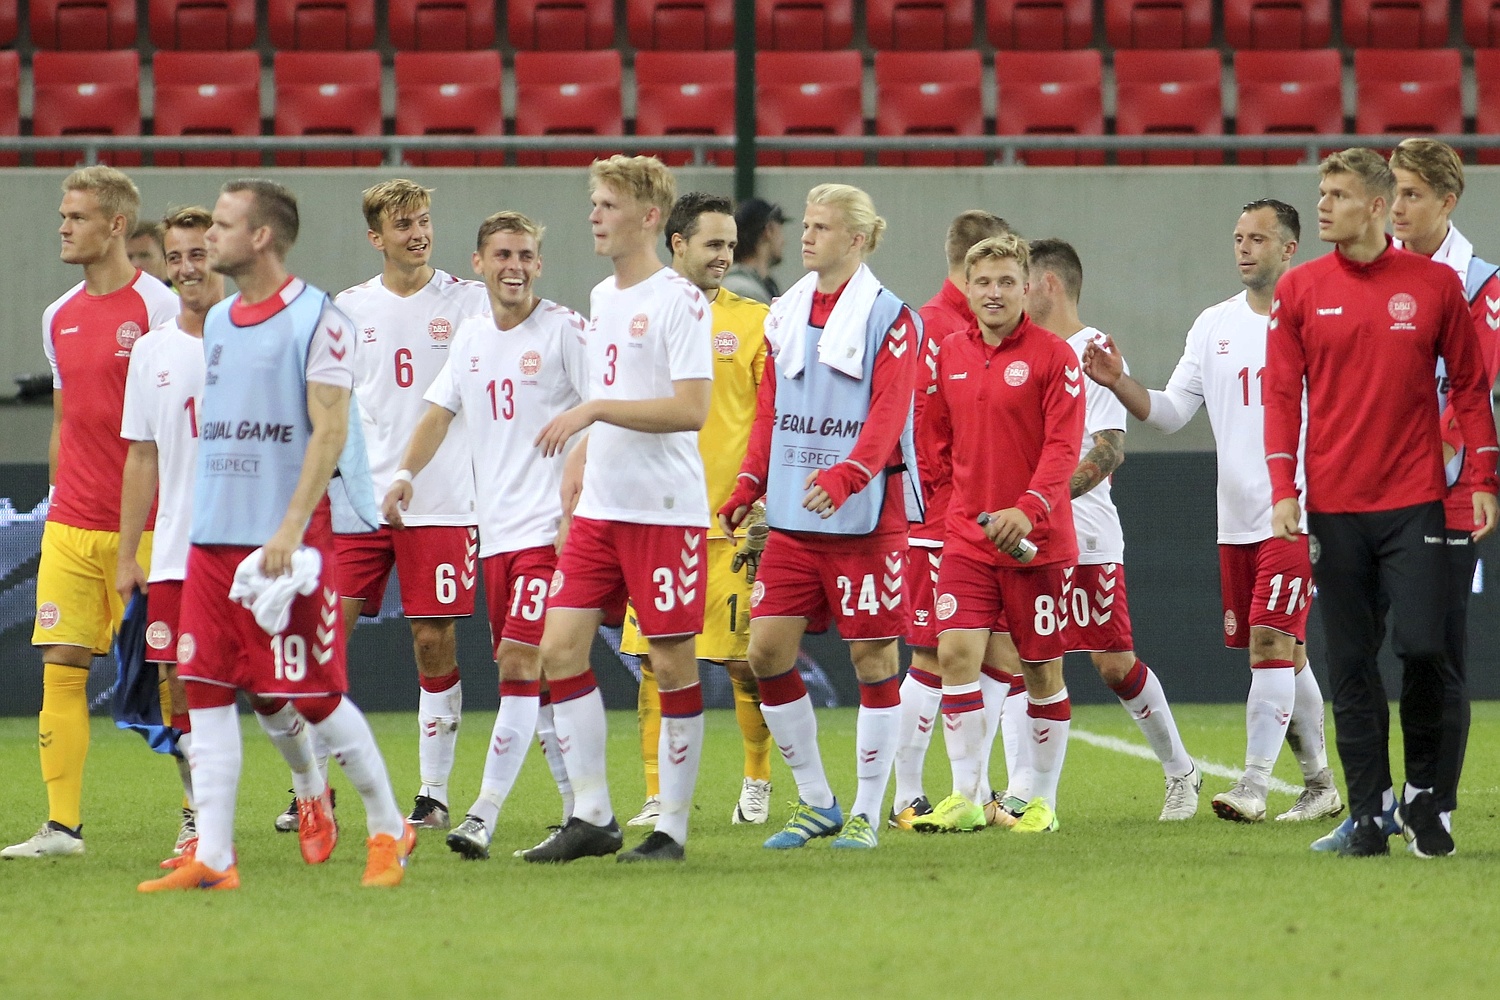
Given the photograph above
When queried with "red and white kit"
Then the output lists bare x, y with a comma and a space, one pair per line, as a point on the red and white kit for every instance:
641, 521
402, 343
162, 394
504, 386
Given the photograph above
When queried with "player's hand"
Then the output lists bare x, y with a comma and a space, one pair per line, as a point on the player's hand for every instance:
817, 500
1006, 528
732, 514
129, 578
1103, 363
276, 554
1486, 512
1286, 519
747, 556
561, 428
397, 499
563, 527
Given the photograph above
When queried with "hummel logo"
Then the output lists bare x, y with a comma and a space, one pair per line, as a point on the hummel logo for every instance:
502, 744
69, 329
677, 753
1335, 311
1071, 374
1041, 735
958, 376
867, 756
1143, 714
951, 723
564, 743
924, 724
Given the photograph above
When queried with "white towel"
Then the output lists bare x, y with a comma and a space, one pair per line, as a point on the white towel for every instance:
269, 598
842, 345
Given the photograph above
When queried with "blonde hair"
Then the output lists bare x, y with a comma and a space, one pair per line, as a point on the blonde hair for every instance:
857, 208
1365, 164
509, 222
1435, 162
115, 192
392, 198
1006, 246
189, 217
644, 178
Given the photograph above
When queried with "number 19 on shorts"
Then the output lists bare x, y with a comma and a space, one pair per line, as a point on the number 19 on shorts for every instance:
290, 654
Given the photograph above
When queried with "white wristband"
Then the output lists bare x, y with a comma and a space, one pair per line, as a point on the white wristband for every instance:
401, 476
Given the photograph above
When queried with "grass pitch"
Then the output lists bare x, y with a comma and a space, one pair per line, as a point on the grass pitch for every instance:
1114, 905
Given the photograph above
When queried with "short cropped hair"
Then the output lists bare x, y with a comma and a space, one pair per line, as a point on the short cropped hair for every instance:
1435, 162
509, 222
392, 197
272, 205
115, 192
967, 229
689, 208
855, 206
644, 178
1059, 257
155, 230
1006, 245
1286, 217
189, 217
752, 218
1365, 164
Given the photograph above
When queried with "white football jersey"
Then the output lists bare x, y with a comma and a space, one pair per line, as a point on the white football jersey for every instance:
1095, 519
504, 386
640, 340
1222, 366
400, 346
163, 392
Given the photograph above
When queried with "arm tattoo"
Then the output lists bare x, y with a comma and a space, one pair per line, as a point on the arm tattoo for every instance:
1099, 464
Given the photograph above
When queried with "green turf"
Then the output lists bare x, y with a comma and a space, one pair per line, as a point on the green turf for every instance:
1115, 905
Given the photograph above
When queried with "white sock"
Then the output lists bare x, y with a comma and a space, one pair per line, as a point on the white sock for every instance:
581, 735
1153, 715
995, 692
1049, 742
795, 728
964, 733
679, 750
215, 762
509, 741
291, 736
184, 769
438, 715
1304, 734
1015, 734
320, 752
353, 745
919, 712
1273, 692
874, 751
546, 735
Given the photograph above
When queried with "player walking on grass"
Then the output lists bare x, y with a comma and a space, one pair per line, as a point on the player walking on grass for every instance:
1361, 327
273, 423
509, 372
700, 235
832, 452
88, 335
639, 527
1265, 581
405, 318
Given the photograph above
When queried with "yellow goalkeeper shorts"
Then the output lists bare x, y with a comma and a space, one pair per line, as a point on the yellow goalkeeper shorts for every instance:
726, 617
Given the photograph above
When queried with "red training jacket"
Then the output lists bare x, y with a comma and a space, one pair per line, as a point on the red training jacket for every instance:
945, 313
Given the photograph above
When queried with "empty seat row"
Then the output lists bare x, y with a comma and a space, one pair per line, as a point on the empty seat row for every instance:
684, 94
564, 25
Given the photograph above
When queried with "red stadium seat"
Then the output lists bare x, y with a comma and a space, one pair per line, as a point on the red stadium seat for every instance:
10, 102
804, 24
1487, 83
568, 93
921, 25
1168, 92
1159, 24
1040, 25
449, 93
1482, 23
1287, 93
1408, 92
1278, 24
796, 95
86, 93
561, 25
9, 22
83, 25
1395, 24
322, 25
207, 93
203, 24
692, 25
685, 93
442, 25
327, 93
929, 93
1051, 93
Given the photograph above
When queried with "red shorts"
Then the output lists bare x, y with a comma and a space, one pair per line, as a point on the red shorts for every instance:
435, 564
860, 591
1098, 611
515, 589
660, 568
1030, 604
922, 566
163, 608
221, 643
1265, 583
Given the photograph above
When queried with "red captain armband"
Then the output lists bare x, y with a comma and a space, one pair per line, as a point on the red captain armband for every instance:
747, 490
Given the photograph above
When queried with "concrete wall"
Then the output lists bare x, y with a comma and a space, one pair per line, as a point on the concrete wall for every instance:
1155, 243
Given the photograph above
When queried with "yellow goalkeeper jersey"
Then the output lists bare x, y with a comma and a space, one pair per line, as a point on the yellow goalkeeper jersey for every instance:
739, 364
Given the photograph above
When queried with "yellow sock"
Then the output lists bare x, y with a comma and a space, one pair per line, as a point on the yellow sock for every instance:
753, 729
648, 711
63, 736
